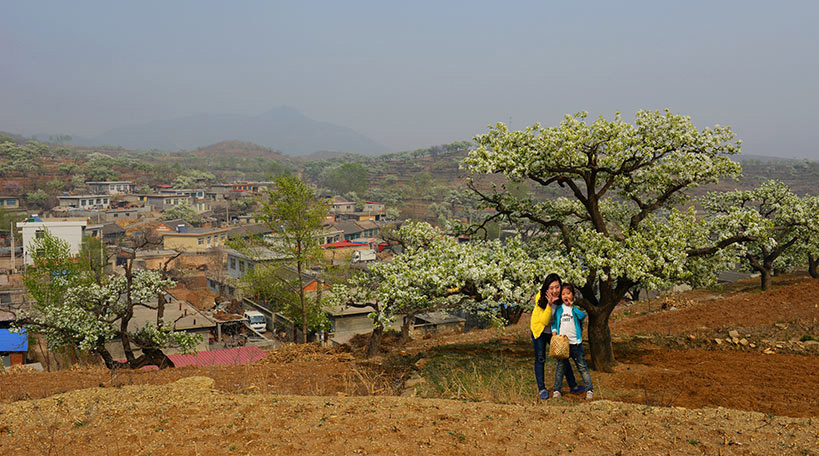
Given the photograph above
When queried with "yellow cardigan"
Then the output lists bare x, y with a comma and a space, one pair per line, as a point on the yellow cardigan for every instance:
540, 318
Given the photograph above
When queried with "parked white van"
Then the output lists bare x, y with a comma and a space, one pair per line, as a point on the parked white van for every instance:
256, 319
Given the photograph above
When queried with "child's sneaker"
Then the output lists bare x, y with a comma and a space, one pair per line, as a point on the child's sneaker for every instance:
556, 394
589, 395
544, 394
577, 389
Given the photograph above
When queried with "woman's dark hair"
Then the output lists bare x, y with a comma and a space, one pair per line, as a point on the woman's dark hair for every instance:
543, 302
570, 287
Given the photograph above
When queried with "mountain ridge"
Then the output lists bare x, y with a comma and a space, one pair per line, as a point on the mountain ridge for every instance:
283, 128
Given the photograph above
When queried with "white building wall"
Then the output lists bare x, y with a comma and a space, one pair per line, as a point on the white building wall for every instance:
70, 231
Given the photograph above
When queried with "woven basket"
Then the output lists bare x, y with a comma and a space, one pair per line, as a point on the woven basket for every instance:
559, 347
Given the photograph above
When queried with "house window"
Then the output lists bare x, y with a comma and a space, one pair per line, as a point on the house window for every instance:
98, 200
82, 202
201, 241
241, 266
232, 263
39, 234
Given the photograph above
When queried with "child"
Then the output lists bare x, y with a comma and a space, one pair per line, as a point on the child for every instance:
568, 322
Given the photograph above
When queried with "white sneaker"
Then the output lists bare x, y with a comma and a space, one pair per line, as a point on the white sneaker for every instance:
556, 394
589, 395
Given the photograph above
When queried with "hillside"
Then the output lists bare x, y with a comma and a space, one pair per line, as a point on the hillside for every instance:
282, 128
241, 149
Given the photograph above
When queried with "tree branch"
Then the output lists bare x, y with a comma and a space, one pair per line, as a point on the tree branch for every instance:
720, 245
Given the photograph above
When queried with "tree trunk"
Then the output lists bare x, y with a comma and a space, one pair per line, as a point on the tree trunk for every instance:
303, 305
405, 324
813, 266
160, 309
602, 354
129, 313
511, 314
765, 277
107, 358
375, 341
152, 356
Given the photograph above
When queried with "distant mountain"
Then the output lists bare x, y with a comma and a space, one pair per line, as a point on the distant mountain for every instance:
282, 128
761, 158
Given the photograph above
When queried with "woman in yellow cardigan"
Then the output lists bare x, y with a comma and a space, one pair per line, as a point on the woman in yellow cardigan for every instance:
547, 298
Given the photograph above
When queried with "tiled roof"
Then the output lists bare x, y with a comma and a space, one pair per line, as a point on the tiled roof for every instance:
226, 357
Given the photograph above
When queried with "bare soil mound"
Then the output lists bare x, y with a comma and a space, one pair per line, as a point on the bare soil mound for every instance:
796, 302
191, 417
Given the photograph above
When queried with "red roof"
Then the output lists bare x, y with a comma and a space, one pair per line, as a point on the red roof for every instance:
372, 202
226, 357
335, 245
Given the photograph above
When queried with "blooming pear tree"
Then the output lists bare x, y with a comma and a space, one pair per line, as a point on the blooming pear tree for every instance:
810, 243
435, 272
783, 226
78, 309
624, 221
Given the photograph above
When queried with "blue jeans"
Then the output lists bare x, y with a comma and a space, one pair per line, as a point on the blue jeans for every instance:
575, 353
540, 345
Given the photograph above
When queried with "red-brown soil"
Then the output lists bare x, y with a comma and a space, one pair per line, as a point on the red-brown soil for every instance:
796, 301
781, 384
189, 417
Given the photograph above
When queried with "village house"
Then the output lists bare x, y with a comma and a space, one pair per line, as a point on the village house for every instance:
350, 230
13, 347
341, 206
250, 231
70, 230
84, 201
194, 239
111, 187
109, 233
9, 202
252, 186
193, 193
239, 263
103, 215
161, 202
357, 230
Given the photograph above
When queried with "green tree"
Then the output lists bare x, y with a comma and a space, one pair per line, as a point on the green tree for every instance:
779, 221
622, 223
349, 177
183, 181
274, 284
293, 212
38, 198
185, 212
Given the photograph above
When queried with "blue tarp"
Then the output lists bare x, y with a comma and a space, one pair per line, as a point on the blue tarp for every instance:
13, 342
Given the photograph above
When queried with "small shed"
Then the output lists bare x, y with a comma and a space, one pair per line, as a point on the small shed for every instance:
13, 347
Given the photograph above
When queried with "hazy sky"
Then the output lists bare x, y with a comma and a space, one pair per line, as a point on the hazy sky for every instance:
413, 74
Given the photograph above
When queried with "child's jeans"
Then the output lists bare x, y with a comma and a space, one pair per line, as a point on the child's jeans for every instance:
575, 353
541, 345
